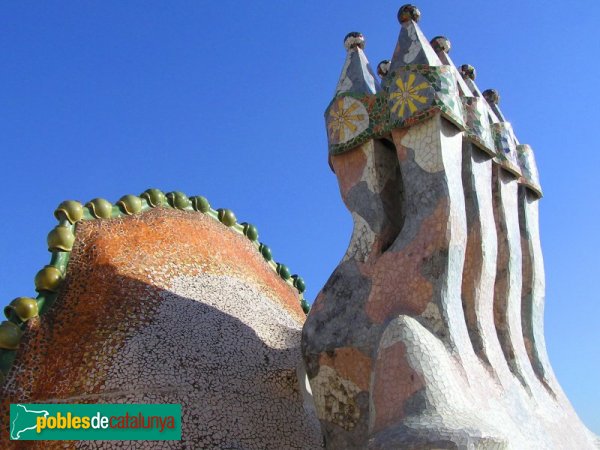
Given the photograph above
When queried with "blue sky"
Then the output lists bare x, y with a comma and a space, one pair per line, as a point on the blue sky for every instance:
226, 99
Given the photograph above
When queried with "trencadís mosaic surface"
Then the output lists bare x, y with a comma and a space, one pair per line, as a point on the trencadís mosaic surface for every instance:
429, 333
61, 239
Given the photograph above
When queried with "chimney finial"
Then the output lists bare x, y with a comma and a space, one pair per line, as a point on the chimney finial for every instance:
441, 44
408, 12
354, 39
492, 96
383, 68
467, 71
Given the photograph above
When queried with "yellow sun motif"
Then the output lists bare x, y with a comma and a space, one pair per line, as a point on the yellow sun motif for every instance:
347, 119
407, 95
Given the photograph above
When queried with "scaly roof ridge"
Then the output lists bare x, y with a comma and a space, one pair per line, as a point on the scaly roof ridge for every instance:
62, 237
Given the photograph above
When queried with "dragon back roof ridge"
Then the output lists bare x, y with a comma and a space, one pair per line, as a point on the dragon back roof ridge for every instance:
62, 237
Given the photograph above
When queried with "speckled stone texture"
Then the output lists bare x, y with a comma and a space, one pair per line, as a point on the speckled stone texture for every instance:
429, 334
172, 307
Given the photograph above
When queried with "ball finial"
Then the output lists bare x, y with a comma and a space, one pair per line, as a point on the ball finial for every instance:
441, 44
492, 96
408, 12
468, 71
383, 68
353, 40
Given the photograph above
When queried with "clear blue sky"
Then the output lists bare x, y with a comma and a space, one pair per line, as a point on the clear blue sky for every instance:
226, 99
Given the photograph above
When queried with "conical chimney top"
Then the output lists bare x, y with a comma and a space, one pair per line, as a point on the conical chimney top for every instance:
357, 76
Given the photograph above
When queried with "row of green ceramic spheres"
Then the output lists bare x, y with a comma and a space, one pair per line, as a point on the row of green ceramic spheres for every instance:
131, 204
25, 308
61, 238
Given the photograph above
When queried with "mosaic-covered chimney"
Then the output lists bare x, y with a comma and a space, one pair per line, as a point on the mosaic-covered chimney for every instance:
429, 333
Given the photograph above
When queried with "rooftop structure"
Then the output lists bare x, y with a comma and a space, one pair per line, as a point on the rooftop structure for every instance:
429, 333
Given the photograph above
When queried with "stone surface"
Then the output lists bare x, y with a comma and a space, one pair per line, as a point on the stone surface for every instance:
171, 307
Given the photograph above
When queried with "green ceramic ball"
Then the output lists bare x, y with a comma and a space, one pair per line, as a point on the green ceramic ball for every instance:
265, 251
227, 217
178, 200
299, 283
250, 231
70, 210
10, 335
60, 239
100, 208
154, 197
24, 307
130, 204
48, 279
283, 271
200, 203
